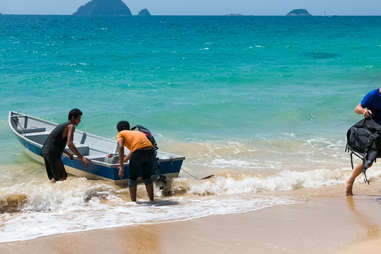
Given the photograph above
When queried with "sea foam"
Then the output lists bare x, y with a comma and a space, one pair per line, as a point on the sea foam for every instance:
78, 204
239, 183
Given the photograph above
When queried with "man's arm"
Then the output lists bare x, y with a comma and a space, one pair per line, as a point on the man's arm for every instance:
121, 157
363, 111
68, 154
127, 158
70, 144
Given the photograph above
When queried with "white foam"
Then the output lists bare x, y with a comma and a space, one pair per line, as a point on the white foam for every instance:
234, 163
78, 204
285, 180
243, 170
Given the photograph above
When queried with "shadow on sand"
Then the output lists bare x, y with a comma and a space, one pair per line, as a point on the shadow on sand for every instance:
158, 202
373, 230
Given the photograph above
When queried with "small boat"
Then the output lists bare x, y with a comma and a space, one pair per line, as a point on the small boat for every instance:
32, 132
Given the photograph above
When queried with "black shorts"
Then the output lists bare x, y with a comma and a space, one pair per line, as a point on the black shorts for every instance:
54, 167
378, 147
141, 163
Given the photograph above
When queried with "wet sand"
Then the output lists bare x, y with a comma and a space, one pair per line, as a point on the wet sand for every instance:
368, 247
323, 222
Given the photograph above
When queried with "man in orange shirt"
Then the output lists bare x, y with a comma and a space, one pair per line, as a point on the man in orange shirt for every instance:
141, 157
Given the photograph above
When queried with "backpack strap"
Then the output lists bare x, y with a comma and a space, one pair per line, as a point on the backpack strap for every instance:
364, 172
363, 166
351, 154
365, 178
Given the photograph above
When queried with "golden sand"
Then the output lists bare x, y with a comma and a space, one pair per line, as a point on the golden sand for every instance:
323, 225
365, 247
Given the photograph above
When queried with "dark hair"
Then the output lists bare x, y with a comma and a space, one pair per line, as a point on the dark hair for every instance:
123, 125
74, 113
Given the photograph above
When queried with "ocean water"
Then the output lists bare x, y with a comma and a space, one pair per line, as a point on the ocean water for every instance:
261, 102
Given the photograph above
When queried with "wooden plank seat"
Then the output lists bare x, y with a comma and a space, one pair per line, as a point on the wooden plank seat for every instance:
31, 130
22, 129
38, 137
103, 158
83, 149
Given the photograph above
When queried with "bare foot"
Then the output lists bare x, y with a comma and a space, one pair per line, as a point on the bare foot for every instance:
348, 189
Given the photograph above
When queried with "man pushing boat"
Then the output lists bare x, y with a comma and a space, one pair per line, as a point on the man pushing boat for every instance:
141, 157
55, 144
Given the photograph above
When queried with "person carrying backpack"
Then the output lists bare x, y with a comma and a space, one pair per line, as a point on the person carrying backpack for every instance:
141, 157
370, 106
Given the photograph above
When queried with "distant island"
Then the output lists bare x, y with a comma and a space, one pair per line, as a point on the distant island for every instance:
144, 13
234, 14
103, 8
299, 12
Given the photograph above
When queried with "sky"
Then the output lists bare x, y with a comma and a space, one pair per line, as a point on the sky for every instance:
203, 7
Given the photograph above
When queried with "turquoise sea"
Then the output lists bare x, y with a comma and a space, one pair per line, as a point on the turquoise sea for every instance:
268, 97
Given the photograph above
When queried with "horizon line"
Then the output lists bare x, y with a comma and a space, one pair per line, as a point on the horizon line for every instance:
192, 15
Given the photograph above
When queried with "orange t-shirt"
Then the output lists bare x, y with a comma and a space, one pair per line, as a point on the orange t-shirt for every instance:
134, 140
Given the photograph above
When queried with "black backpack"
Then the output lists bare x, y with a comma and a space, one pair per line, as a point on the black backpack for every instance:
160, 179
362, 140
147, 133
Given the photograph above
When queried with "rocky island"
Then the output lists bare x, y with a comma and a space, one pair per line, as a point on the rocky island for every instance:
299, 12
144, 13
234, 15
103, 8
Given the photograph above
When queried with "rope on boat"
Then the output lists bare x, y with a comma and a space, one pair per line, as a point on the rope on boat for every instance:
197, 178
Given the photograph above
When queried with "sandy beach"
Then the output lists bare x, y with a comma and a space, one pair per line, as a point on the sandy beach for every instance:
324, 221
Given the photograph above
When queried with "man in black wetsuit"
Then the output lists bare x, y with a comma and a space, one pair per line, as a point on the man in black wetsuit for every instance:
55, 144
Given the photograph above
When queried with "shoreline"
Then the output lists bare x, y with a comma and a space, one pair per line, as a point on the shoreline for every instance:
318, 225
320, 216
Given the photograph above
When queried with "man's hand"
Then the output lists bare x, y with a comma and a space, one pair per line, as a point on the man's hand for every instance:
126, 158
121, 172
85, 161
367, 113
67, 154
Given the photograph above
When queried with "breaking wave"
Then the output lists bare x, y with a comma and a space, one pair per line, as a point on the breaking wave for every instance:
79, 204
232, 183
246, 178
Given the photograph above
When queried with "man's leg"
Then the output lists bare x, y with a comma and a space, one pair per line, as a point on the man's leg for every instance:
48, 168
356, 172
147, 170
132, 193
60, 170
149, 188
133, 175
